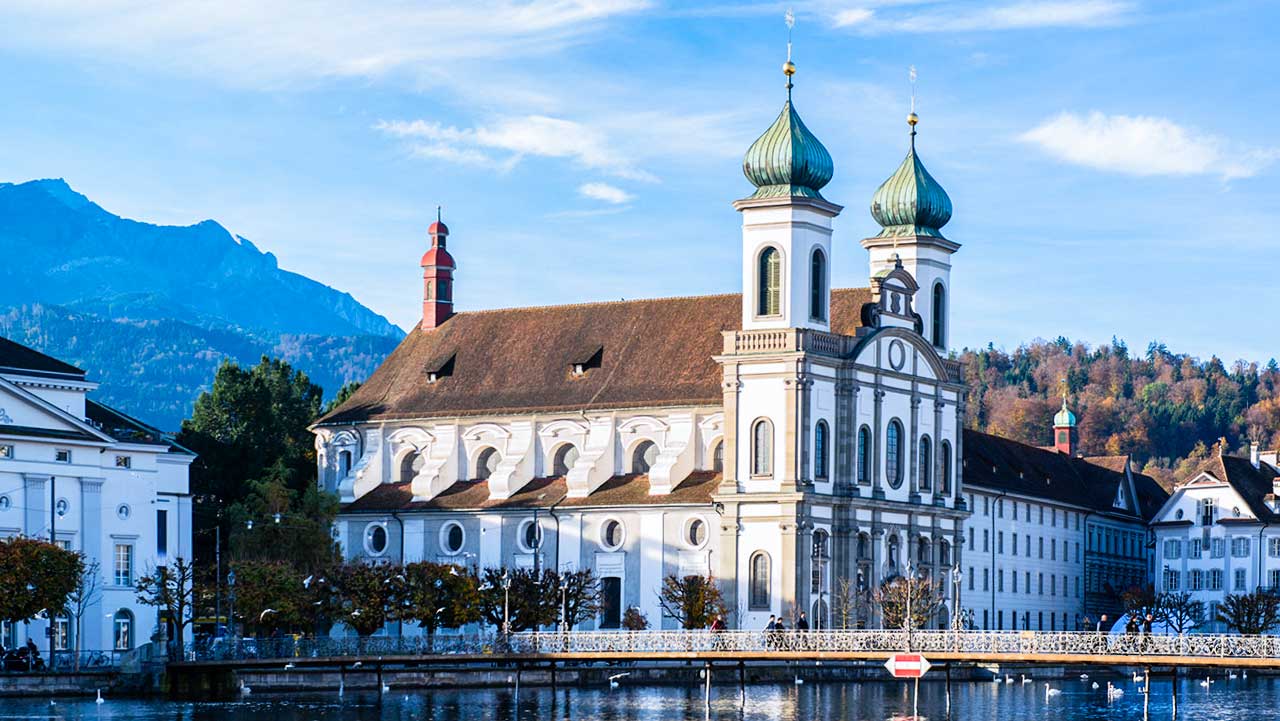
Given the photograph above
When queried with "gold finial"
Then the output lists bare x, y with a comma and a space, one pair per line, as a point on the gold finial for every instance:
789, 68
912, 118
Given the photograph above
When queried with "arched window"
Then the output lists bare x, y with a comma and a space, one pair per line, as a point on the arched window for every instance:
564, 458
758, 591
428, 292
122, 630
820, 451
944, 554
893, 453
717, 458
864, 455
864, 547
923, 554
818, 285
410, 465
486, 463
938, 333
643, 457
893, 545
926, 463
344, 463
762, 448
945, 481
769, 283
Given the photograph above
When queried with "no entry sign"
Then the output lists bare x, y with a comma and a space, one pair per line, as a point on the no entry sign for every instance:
907, 665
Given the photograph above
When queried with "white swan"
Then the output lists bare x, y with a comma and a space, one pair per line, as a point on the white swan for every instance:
1007, 678
244, 690
1095, 685
1233, 675
100, 699
1205, 683
1113, 692
613, 680
1050, 692
1084, 677
1025, 679
1137, 677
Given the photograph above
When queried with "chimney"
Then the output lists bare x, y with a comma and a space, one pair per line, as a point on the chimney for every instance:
1222, 446
1253, 454
437, 277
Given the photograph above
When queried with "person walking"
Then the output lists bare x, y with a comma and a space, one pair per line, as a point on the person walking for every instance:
802, 623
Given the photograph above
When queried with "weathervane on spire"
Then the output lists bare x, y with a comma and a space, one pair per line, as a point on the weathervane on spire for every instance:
789, 68
912, 118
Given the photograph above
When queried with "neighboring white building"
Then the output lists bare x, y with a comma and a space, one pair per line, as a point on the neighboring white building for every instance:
783, 439
96, 481
1219, 532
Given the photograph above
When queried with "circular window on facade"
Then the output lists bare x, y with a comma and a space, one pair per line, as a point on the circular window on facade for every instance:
897, 354
1178, 515
452, 537
612, 534
530, 536
375, 539
695, 533
62, 506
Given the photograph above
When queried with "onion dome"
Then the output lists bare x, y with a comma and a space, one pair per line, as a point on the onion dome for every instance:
437, 228
911, 202
787, 160
1064, 418
436, 254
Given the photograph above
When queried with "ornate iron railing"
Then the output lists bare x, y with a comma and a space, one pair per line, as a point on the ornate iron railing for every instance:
976, 644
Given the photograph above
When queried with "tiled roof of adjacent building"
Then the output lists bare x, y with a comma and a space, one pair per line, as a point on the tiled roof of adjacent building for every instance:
1002, 464
18, 357
1253, 484
655, 352
628, 490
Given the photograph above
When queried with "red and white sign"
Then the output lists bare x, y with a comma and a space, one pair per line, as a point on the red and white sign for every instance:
907, 665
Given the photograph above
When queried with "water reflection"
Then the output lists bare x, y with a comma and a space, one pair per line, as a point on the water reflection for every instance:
1253, 699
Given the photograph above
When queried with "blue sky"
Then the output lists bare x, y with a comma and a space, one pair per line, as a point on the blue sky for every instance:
1112, 163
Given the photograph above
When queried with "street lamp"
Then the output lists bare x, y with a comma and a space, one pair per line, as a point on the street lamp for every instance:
564, 604
231, 598
506, 605
956, 577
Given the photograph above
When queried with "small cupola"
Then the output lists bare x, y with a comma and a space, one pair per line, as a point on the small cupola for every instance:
1064, 429
911, 202
437, 277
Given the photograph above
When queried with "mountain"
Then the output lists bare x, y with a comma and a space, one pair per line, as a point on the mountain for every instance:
151, 310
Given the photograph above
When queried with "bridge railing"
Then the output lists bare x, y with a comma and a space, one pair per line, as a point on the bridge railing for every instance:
964, 643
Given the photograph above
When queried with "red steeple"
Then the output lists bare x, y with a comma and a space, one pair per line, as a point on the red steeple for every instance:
437, 277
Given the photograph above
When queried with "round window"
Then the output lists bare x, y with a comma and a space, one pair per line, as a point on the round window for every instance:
452, 537
122, 511
612, 534
530, 536
696, 533
62, 506
375, 539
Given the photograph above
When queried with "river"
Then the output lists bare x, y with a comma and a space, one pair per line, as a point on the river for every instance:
1244, 699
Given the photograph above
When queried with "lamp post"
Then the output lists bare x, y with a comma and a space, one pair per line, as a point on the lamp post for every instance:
231, 599
956, 577
506, 605
564, 604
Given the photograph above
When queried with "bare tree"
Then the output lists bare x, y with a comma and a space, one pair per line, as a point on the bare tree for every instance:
844, 602
87, 593
1179, 611
1251, 613
917, 593
169, 588
693, 601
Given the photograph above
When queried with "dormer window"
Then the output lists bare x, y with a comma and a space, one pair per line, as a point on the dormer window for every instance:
586, 362
440, 369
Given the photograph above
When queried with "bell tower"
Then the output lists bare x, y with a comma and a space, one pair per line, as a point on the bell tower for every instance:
1065, 435
437, 277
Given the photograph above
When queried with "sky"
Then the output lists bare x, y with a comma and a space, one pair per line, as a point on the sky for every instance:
1112, 163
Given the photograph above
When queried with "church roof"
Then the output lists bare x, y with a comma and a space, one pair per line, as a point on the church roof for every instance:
1000, 464
654, 352
787, 160
911, 202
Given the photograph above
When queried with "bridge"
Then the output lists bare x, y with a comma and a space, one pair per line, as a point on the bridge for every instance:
533, 649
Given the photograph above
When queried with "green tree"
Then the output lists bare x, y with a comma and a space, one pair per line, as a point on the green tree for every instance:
534, 598
35, 576
438, 595
693, 601
270, 596
169, 588
364, 595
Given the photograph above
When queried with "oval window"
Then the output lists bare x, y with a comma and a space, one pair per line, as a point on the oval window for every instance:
531, 536
5, 503
611, 534
122, 511
375, 539
696, 534
453, 538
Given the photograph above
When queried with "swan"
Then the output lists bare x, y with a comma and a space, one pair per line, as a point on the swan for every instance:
100, 699
1008, 678
613, 680
1050, 692
244, 690
1205, 683
1233, 675
1137, 677
289, 666
1095, 685
1025, 679
799, 681
385, 688
1084, 677
1113, 692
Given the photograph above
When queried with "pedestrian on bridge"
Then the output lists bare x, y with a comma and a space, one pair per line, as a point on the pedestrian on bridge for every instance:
802, 623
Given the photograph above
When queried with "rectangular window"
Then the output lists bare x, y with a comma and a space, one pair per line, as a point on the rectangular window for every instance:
1171, 578
61, 634
1193, 548
162, 535
1217, 547
1000, 542
1240, 547
986, 579
1207, 512
1026, 587
1053, 549
1053, 585
62, 455
1273, 547
1000, 580
1041, 584
124, 462
986, 541
123, 564
970, 580
1053, 517
1215, 580
1238, 580
1013, 577
1273, 579
6, 451
1196, 580
1013, 537
1077, 551
1042, 547
1173, 548
971, 538
986, 506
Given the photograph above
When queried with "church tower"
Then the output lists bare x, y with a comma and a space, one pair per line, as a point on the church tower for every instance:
437, 277
1065, 435
786, 226
912, 207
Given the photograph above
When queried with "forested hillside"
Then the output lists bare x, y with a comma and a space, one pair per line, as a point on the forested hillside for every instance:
1165, 409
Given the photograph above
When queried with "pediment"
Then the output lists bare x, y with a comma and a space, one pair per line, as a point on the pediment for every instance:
24, 412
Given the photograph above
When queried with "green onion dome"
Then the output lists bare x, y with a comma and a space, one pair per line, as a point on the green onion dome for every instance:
1064, 418
911, 202
787, 160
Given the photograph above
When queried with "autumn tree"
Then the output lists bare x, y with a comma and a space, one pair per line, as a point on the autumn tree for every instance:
1251, 613
35, 576
533, 599
918, 593
364, 594
169, 588
580, 596
633, 619
270, 596
437, 595
692, 601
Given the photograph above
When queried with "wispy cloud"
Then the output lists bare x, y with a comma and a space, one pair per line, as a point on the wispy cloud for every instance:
505, 142
245, 43
1144, 145
938, 17
605, 192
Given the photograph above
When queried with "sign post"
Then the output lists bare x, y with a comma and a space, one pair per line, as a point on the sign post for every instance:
912, 666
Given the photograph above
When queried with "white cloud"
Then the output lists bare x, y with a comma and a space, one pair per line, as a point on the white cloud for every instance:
269, 44
972, 17
605, 192
505, 142
1144, 145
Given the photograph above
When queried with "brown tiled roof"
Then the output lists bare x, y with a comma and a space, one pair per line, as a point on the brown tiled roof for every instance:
1253, 484
628, 490
1114, 463
656, 352
1002, 464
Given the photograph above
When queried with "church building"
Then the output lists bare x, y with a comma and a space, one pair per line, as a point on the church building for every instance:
793, 441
